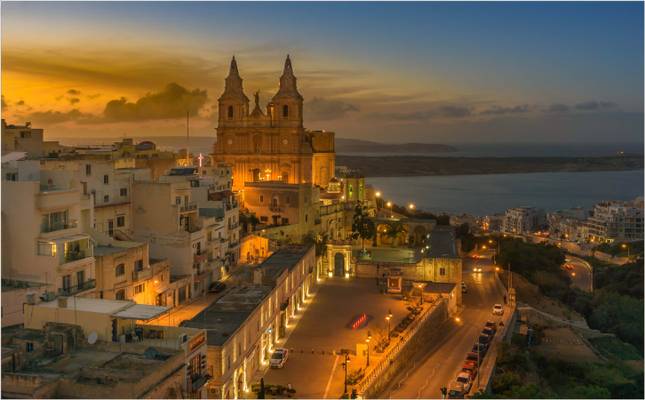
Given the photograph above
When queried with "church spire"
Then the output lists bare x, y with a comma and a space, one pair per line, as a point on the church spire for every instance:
288, 86
233, 84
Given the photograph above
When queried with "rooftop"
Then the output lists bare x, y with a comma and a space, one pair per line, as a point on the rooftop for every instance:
285, 258
117, 308
225, 316
442, 243
388, 255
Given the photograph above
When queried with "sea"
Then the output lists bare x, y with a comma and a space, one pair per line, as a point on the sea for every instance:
490, 194
483, 194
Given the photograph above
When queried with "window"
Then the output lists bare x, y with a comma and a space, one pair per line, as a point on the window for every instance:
88, 169
140, 288
230, 112
12, 176
106, 179
285, 221
67, 282
264, 218
106, 198
54, 221
120, 270
261, 199
178, 200
285, 111
29, 347
442, 271
306, 217
138, 265
120, 220
124, 192
46, 249
80, 278
120, 294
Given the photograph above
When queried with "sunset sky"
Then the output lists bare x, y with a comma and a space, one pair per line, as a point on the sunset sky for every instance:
425, 72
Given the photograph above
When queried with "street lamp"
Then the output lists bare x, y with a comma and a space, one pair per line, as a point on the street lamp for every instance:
625, 246
411, 206
389, 205
369, 337
345, 365
388, 318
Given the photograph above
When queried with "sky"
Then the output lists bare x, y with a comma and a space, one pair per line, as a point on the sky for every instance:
406, 72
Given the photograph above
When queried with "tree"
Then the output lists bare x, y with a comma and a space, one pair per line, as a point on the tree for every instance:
394, 231
261, 392
362, 225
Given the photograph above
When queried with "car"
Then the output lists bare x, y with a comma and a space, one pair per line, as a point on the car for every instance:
498, 309
489, 331
217, 287
485, 339
470, 367
483, 348
456, 391
278, 358
491, 325
477, 269
464, 288
464, 379
472, 356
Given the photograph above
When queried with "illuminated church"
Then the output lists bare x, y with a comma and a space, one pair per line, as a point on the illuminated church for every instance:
271, 144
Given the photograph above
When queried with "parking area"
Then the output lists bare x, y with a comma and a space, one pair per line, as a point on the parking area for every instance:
313, 369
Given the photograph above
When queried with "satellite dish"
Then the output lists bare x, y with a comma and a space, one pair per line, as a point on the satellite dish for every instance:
91, 339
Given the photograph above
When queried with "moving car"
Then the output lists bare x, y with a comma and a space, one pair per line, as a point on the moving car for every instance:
464, 289
498, 309
477, 269
217, 287
279, 358
464, 379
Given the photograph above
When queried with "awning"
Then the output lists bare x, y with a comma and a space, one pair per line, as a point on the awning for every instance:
141, 311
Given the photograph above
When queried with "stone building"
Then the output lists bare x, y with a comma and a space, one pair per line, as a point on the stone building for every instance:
271, 145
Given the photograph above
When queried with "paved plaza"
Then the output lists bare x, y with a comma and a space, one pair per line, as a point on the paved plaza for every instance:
324, 328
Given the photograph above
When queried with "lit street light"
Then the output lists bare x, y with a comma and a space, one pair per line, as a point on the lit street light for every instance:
388, 318
626, 246
411, 206
369, 337
389, 205
345, 365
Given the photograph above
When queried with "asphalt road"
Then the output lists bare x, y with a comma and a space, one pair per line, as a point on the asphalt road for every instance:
439, 364
580, 272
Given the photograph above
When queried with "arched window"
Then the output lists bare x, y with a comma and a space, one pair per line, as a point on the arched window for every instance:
120, 270
120, 294
230, 112
285, 111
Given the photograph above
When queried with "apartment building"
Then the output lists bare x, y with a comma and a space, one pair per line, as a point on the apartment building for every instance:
523, 220
27, 139
94, 348
616, 221
244, 326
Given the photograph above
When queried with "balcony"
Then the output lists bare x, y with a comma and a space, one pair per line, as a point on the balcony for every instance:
188, 207
275, 208
73, 290
143, 274
57, 198
47, 228
234, 226
72, 256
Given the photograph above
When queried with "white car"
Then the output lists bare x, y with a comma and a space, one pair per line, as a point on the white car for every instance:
279, 358
464, 379
498, 309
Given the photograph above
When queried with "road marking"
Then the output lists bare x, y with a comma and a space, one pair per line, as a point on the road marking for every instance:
331, 376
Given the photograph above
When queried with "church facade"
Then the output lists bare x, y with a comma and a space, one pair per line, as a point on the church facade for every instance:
270, 144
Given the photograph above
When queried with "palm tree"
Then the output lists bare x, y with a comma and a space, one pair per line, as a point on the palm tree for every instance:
362, 227
394, 230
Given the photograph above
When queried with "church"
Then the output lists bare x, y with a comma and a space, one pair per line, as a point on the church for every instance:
270, 144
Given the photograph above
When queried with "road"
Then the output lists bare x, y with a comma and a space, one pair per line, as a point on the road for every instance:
581, 273
323, 328
442, 360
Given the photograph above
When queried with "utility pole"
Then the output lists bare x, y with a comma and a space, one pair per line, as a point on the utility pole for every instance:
345, 365
187, 138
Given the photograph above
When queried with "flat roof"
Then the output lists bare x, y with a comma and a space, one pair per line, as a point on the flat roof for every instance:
141, 311
101, 306
286, 257
388, 255
439, 287
442, 243
225, 316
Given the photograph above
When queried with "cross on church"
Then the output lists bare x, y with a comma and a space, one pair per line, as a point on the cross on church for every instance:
200, 158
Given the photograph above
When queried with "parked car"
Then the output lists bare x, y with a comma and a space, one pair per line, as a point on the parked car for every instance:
498, 309
456, 391
485, 339
489, 331
464, 289
483, 347
472, 356
279, 358
217, 287
464, 379
471, 368
491, 325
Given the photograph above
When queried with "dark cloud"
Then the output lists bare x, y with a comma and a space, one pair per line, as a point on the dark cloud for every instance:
498, 110
73, 92
320, 109
557, 108
172, 102
449, 111
594, 105
57, 117
73, 100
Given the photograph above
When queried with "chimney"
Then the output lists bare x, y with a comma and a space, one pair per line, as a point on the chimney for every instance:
62, 302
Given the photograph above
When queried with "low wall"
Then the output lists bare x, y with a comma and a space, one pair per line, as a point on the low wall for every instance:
398, 357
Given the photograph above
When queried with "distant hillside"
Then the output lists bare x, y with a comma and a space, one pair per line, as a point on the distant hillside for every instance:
365, 146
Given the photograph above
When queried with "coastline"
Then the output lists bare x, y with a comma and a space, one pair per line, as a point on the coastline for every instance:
406, 166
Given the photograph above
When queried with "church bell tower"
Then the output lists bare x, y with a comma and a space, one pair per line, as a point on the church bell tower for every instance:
233, 103
286, 106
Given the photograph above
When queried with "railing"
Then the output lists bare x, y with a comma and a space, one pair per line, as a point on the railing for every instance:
89, 284
142, 274
188, 207
56, 227
393, 351
75, 255
275, 208
234, 225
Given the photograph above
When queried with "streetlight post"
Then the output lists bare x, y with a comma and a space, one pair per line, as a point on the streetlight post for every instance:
626, 246
378, 197
388, 318
345, 368
369, 337
389, 205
